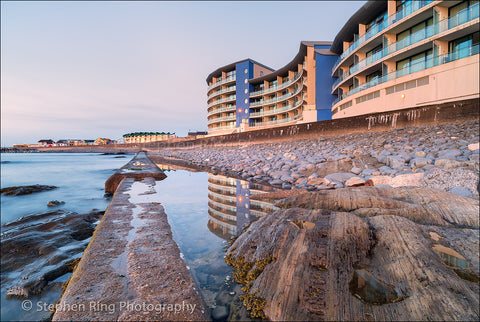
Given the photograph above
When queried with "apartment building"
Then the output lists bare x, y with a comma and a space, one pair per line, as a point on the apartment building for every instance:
389, 55
247, 95
402, 54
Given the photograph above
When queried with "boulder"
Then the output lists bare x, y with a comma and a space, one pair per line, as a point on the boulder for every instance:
405, 180
462, 191
419, 162
340, 177
354, 182
447, 163
473, 146
356, 170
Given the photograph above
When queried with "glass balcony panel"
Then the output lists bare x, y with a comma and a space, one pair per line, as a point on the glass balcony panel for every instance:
407, 10
408, 68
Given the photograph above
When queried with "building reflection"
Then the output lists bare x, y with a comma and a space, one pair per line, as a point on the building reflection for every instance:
230, 207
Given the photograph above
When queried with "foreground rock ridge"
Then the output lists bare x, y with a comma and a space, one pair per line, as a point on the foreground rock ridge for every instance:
365, 253
132, 269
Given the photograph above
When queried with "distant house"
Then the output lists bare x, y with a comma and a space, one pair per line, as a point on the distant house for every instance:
89, 142
196, 135
101, 141
63, 142
47, 142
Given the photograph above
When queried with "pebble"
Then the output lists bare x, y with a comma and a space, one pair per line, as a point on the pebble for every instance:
462, 191
400, 152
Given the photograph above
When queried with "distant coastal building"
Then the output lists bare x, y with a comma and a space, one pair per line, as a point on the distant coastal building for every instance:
101, 141
197, 135
46, 142
145, 137
389, 55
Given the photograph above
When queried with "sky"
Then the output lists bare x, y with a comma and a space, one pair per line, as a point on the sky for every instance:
89, 69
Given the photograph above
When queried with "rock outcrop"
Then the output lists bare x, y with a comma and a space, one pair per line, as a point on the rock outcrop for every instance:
363, 253
25, 190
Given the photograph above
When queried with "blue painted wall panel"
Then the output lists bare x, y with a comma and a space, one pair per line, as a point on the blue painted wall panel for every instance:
323, 85
242, 97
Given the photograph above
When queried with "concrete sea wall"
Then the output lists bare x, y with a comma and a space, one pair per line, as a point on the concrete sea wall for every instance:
467, 110
132, 269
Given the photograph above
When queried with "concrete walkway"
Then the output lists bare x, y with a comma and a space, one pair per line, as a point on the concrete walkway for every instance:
139, 167
132, 269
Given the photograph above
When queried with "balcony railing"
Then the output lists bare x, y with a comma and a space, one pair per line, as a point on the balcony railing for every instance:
274, 88
285, 120
277, 110
223, 109
463, 16
230, 98
219, 119
276, 99
416, 5
228, 89
399, 45
223, 81
412, 68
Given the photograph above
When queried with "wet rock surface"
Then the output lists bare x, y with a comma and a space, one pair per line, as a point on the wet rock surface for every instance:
25, 190
37, 249
369, 253
441, 157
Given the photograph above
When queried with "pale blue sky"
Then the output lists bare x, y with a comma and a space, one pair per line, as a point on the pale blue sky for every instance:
102, 69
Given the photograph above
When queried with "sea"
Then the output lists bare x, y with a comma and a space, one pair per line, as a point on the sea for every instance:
203, 210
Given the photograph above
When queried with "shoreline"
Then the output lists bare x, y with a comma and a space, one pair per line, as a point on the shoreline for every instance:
444, 157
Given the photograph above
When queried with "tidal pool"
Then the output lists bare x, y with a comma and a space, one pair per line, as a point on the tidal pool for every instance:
205, 211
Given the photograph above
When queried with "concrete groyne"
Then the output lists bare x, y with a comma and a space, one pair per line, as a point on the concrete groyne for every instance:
132, 268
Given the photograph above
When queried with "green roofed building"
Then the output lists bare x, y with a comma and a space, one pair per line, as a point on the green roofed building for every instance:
145, 137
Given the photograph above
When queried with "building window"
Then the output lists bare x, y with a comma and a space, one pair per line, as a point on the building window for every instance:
373, 75
261, 73
462, 47
415, 63
452, 11
416, 33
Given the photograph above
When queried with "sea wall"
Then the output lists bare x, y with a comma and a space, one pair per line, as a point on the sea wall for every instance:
463, 111
132, 269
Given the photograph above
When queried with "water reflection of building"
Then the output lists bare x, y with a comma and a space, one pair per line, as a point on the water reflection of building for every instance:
230, 207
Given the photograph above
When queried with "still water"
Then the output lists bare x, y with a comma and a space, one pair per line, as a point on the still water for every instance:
204, 210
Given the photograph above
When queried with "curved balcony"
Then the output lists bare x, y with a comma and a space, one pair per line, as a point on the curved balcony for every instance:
226, 99
220, 196
281, 86
223, 81
225, 90
393, 19
224, 191
229, 108
277, 110
221, 119
277, 99
223, 223
285, 120
412, 68
394, 47
223, 206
